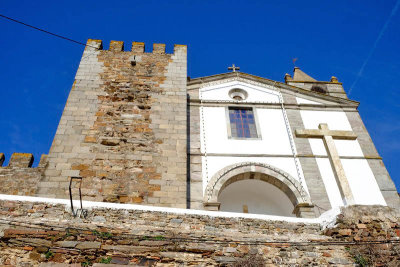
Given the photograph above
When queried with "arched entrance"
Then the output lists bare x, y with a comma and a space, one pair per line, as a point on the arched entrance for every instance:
279, 192
255, 196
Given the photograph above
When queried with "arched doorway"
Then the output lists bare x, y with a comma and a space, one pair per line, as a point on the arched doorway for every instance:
278, 192
255, 196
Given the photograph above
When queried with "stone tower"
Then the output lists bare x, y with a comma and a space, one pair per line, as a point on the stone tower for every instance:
123, 128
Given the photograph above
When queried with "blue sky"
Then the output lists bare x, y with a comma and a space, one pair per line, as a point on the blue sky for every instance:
328, 38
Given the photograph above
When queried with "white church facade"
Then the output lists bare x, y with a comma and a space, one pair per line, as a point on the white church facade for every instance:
297, 148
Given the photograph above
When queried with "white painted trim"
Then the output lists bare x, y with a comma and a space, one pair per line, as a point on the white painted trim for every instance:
325, 219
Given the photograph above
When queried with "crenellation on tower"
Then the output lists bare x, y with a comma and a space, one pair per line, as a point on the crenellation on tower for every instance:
116, 46
159, 48
94, 43
19, 177
21, 160
138, 47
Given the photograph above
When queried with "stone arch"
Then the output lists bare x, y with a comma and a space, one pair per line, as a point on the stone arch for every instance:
260, 171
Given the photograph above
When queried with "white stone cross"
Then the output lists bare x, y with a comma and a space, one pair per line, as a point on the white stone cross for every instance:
233, 68
328, 136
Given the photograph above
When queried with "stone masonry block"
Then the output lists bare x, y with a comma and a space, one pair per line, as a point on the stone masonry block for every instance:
137, 47
159, 48
116, 46
21, 160
92, 43
43, 161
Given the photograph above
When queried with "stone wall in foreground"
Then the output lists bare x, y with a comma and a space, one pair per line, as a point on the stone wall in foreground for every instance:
33, 233
370, 227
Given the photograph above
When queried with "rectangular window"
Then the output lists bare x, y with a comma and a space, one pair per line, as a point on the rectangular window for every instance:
242, 123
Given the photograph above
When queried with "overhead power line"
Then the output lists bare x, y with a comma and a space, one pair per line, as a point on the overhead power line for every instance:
39, 29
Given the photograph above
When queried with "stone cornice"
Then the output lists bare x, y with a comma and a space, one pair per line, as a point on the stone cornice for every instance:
281, 156
212, 103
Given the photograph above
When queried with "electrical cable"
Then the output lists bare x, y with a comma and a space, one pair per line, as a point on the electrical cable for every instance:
39, 29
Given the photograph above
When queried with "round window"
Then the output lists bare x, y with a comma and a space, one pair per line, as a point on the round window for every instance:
238, 94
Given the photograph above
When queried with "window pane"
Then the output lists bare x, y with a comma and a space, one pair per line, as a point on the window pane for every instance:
242, 123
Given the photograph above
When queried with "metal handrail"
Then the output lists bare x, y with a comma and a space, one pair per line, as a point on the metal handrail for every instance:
80, 194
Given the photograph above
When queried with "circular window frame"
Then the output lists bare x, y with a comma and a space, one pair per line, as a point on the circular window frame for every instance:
236, 93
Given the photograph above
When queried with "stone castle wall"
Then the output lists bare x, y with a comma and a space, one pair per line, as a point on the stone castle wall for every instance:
19, 178
33, 233
123, 128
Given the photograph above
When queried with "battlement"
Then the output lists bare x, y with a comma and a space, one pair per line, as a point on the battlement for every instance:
22, 160
19, 178
137, 47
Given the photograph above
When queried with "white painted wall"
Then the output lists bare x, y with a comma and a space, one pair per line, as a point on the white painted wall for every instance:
336, 120
344, 147
362, 182
306, 101
272, 128
256, 93
260, 198
361, 179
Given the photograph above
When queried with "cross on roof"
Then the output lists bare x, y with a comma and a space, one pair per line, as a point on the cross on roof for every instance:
233, 68
327, 136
